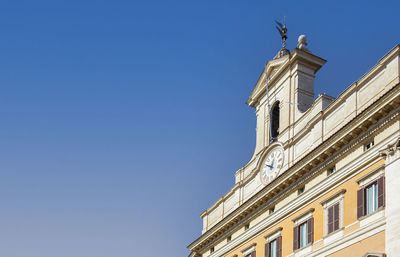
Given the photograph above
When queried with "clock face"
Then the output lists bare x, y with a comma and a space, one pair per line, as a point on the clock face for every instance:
272, 165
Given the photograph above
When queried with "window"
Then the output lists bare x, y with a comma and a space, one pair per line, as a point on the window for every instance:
300, 190
272, 210
212, 249
250, 251
368, 145
303, 231
331, 170
273, 247
303, 234
228, 239
247, 226
274, 122
371, 197
333, 218
333, 212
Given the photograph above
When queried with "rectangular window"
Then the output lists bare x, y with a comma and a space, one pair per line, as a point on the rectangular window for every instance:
333, 218
368, 145
371, 198
272, 249
300, 190
272, 210
303, 235
331, 170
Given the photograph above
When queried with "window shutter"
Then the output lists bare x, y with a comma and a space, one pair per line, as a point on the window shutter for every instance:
267, 250
310, 225
336, 217
330, 219
279, 246
295, 238
381, 192
360, 203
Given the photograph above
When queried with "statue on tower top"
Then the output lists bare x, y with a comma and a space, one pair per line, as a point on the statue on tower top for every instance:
283, 31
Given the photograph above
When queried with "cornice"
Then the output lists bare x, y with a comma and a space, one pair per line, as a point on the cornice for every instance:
312, 61
281, 214
340, 192
279, 229
315, 119
259, 157
311, 210
307, 166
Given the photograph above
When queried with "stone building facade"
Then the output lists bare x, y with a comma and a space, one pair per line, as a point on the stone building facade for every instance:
325, 173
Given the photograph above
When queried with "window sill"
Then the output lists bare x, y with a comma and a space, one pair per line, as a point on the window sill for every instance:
367, 219
333, 236
303, 251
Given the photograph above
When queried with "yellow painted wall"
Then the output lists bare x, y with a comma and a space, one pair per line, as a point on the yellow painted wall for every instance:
350, 216
375, 243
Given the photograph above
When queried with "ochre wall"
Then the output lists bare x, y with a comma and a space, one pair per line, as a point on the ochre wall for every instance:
350, 217
375, 243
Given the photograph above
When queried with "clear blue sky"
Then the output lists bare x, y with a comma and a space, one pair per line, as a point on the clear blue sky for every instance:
121, 121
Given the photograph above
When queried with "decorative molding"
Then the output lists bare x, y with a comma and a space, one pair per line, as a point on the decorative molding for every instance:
274, 234
372, 175
327, 203
306, 213
337, 194
340, 176
249, 249
374, 255
383, 122
350, 239
292, 141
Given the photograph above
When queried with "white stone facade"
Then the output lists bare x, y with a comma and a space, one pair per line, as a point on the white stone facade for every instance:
304, 123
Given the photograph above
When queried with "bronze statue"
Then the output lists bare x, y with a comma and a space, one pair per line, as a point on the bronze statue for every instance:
283, 31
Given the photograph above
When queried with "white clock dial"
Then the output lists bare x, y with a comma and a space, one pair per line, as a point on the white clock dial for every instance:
272, 165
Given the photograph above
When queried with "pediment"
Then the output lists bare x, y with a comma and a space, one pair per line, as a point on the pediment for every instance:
271, 68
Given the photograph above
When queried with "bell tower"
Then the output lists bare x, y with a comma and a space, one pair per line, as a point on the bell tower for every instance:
284, 92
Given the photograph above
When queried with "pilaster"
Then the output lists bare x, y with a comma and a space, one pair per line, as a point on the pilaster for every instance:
392, 179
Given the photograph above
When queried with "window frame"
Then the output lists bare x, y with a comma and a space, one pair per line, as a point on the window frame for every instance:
303, 235
306, 217
374, 197
376, 176
369, 145
331, 170
274, 236
250, 251
337, 198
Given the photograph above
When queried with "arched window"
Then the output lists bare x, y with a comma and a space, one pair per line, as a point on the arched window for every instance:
274, 122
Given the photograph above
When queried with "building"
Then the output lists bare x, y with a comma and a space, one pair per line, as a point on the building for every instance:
325, 173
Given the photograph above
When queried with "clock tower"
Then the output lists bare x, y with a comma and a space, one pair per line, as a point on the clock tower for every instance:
282, 95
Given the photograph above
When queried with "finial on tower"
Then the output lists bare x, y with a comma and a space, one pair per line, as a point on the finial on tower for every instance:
303, 43
283, 31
